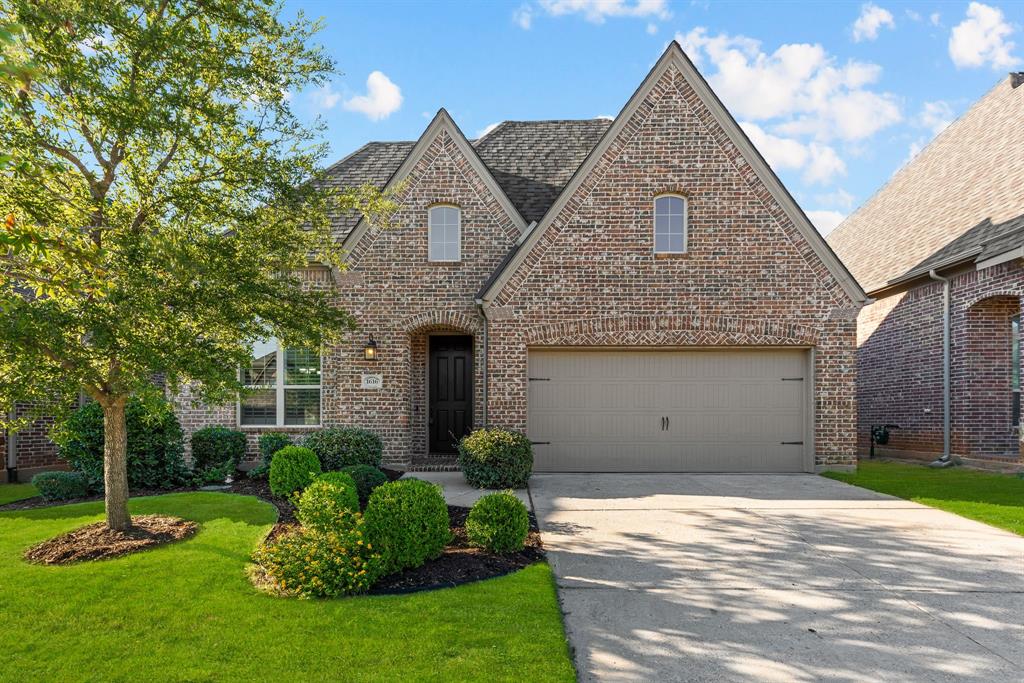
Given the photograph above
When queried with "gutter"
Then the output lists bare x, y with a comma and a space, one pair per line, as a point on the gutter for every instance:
945, 460
483, 312
12, 452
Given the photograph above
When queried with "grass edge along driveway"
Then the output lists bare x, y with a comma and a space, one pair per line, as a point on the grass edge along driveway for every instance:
187, 612
989, 497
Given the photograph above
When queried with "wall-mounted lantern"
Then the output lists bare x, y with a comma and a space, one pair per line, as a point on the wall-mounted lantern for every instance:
370, 350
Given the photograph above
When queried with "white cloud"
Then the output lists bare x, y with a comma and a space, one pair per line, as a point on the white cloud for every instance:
840, 198
981, 38
597, 11
799, 88
872, 18
825, 221
487, 129
606, 117
820, 163
523, 17
382, 98
325, 97
936, 116
912, 15
652, 28
935, 18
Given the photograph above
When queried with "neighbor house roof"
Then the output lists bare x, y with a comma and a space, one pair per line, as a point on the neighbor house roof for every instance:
984, 242
972, 171
530, 160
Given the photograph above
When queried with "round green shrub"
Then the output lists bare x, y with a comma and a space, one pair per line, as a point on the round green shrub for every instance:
322, 564
320, 504
367, 478
217, 448
407, 521
61, 485
496, 459
155, 444
292, 469
498, 522
272, 442
339, 447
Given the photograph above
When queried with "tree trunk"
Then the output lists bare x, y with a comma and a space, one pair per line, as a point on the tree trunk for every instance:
115, 464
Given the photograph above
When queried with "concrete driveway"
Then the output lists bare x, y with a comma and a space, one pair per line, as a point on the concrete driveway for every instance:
777, 577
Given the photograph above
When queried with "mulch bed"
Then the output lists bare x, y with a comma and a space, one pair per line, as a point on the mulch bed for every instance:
462, 563
97, 542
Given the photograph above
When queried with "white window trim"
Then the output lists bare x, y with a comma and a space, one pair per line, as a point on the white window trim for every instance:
430, 232
686, 223
279, 387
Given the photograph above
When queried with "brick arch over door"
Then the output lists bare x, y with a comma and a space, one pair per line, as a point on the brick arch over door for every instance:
419, 328
673, 330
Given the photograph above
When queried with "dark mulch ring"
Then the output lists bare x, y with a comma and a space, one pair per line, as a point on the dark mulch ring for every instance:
97, 542
462, 563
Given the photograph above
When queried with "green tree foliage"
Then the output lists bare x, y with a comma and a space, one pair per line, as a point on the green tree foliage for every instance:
159, 204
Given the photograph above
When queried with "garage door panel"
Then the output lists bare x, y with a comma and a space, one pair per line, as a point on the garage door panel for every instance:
727, 410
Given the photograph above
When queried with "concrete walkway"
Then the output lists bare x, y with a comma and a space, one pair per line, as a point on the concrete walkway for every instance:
457, 491
777, 577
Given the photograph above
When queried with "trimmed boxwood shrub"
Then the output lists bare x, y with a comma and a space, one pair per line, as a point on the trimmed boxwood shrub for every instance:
217, 448
272, 442
293, 469
498, 522
496, 459
155, 444
367, 479
320, 504
322, 564
339, 447
407, 521
61, 485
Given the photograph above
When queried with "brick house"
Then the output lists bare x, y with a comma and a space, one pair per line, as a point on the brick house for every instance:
951, 218
636, 294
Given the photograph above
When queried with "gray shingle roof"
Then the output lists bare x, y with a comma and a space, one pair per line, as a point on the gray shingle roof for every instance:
533, 160
530, 160
972, 171
984, 241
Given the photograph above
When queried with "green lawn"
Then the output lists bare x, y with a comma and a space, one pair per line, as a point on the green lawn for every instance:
12, 492
996, 499
186, 612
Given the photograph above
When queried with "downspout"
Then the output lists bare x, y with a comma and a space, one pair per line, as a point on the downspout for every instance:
11, 459
945, 460
483, 312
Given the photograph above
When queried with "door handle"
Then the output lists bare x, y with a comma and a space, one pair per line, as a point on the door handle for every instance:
668, 423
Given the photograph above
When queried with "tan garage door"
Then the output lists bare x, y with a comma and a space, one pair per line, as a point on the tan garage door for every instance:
668, 411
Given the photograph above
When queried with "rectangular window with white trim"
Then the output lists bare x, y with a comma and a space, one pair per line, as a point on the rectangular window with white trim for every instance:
670, 229
444, 233
284, 387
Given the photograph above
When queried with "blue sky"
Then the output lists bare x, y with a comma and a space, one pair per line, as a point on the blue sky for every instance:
836, 95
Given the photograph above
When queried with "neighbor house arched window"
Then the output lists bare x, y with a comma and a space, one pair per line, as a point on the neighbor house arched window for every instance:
670, 224
444, 233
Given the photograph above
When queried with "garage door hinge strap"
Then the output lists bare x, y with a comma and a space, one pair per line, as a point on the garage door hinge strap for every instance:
539, 379
792, 379
792, 443
540, 443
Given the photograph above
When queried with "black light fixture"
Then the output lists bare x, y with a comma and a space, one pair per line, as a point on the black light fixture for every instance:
370, 350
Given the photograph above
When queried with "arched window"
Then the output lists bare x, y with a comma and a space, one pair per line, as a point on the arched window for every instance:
444, 233
670, 224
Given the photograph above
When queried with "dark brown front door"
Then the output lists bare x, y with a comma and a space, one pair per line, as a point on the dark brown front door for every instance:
451, 391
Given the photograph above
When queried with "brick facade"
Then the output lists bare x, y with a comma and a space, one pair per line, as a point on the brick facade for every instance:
900, 366
35, 452
749, 278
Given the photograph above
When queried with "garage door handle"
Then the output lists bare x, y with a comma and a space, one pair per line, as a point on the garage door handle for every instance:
540, 443
792, 443
668, 423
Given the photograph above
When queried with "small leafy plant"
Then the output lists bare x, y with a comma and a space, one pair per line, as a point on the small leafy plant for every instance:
321, 504
407, 520
339, 447
292, 470
498, 522
367, 478
61, 485
496, 459
216, 452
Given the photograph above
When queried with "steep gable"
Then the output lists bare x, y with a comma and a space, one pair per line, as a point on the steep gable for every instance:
970, 172
625, 171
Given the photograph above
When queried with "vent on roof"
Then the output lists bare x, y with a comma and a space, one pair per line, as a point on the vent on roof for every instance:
1016, 78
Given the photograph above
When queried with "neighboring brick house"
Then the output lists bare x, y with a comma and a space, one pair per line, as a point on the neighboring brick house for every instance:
636, 294
956, 211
